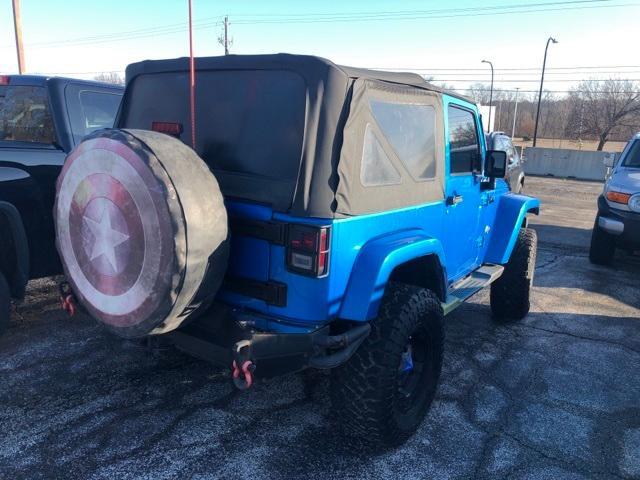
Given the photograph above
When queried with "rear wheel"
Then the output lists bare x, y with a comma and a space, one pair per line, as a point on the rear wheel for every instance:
5, 303
603, 246
510, 294
381, 395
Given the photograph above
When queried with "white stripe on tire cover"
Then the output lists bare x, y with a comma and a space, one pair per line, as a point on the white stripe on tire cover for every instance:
107, 162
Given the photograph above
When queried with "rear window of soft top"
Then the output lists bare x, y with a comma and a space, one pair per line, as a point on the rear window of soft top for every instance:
248, 122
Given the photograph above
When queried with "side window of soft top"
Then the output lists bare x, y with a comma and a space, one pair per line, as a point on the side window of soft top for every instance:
464, 146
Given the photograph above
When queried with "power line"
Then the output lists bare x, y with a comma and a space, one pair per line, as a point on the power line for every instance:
414, 12
536, 91
516, 74
478, 12
336, 17
209, 22
535, 80
503, 69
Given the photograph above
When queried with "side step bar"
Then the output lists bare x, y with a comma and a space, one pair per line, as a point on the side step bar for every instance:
463, 289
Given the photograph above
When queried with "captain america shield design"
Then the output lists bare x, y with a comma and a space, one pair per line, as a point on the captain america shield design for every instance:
114, 231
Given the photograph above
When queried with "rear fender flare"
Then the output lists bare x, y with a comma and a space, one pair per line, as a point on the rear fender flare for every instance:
17, 274
510, 216
375, 263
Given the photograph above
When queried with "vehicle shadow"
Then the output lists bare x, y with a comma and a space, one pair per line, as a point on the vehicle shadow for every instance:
554, 390
561, 272
537, 382
563, 236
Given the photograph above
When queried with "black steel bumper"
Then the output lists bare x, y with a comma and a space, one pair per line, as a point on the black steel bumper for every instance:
628, 222
223, 336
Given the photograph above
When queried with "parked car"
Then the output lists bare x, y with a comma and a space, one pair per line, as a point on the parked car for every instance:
515, 170
617, 223
41, 120
328, 217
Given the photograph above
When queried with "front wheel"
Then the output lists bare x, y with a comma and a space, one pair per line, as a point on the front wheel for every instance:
510, 294
381, 395
5, 303
603, 246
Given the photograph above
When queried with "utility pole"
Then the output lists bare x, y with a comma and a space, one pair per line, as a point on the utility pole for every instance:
544, 64
515, 114
17, 25
580, 127
224, 39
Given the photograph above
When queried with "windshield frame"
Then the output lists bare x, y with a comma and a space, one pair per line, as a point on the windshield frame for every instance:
632, 148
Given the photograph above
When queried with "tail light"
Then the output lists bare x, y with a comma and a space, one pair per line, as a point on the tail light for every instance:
308, 250
169, 128
4, 79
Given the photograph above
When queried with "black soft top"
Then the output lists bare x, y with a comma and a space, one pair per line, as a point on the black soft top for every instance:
308, 65
327, 97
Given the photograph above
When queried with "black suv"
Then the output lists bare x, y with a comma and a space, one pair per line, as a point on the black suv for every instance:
41, 120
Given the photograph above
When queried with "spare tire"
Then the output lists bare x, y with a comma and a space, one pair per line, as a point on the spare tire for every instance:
141, 229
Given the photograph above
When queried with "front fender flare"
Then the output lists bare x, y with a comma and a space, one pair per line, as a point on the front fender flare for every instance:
511, 213
19, 276
375, 263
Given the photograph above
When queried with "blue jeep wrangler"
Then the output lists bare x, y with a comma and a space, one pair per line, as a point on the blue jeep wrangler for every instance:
327, 217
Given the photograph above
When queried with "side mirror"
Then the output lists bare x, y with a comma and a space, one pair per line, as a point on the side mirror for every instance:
496, 164
608, 161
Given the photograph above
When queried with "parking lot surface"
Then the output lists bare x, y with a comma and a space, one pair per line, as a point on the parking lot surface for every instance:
554, 396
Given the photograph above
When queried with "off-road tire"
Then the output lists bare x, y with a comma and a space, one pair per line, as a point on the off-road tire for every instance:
510, 294
603, 246
5, 304
364, 391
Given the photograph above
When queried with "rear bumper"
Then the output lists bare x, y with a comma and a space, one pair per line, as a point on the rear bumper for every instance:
625, 226
223, 336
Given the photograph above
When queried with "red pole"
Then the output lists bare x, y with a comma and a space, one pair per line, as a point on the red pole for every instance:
192, 82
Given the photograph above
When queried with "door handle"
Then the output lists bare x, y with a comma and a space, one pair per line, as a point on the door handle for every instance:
454, 199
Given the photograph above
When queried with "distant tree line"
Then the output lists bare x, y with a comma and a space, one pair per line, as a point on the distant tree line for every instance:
594, 110
110, 77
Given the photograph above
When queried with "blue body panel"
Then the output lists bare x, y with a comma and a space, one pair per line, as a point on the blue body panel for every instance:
374, 266
512, 210
366, 249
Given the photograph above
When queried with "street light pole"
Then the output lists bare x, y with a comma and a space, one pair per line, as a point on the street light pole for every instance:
544, 64
490, 94
515, 114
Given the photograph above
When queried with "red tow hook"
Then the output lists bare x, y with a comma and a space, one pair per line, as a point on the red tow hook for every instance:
67, 299
243, 376
242, 367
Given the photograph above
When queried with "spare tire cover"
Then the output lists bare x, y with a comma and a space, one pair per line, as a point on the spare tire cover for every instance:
141, 229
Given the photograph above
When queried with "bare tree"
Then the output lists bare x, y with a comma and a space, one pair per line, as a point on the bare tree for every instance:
601, 108
109, 77
480, 93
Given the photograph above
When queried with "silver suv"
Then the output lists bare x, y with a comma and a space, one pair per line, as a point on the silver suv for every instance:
618, 221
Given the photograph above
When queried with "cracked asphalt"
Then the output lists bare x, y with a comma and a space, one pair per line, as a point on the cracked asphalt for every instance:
556, 396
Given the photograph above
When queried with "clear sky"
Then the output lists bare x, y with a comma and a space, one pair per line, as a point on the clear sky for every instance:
80, 37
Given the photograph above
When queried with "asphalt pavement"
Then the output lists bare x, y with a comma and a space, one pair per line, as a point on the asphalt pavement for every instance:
556, 396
